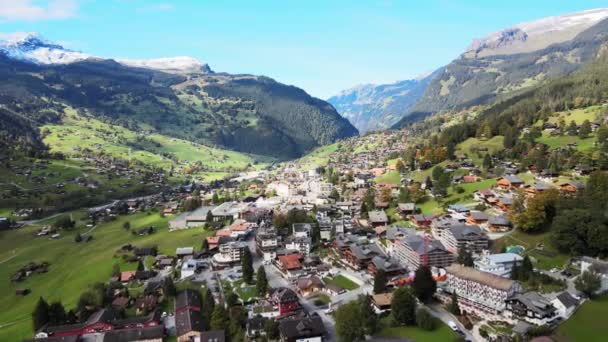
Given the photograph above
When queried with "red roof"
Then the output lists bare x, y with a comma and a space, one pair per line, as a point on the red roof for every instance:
290, 262
126, 276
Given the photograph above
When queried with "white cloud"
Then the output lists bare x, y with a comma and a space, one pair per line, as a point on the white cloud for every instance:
31, 10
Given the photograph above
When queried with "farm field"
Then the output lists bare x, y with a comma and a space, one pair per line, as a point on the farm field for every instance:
73, 266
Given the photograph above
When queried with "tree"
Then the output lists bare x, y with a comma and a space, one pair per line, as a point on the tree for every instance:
57, 314
403, 306
465, 257
572, 129
588, 282
424, 285
426, 321
219, 318
261, 282
64, 222
140, 266
78, 238
539, 212
169, 287
207, 309
40, 316
116, 270
215, 199
437, 172
349, 325
380, 281
364, 210
527, 269
585, 130
205, 246
126, 225
271, 327
232, 298
487, 162
368, 315
247, 264
209, 217
335, 195
400, 166
454, 308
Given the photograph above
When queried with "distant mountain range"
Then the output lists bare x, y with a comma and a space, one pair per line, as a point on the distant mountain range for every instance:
179, 97
496, 67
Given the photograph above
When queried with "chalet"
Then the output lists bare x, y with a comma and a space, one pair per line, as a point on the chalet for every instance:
181, 252
458, 209
145, 275
146, 303
477, 218
290, 265
421, 220
565, 304
126, 276
359, 255
509, 182
302, 329
504, 203
499, 223
141, 252
285, 300
547, 175
334, 289
531, 307
120, 303
382, 302
406, 209
532, 190
390, 266
309, 285
188, 316
571, 187
582, 170
378, 218
470, 179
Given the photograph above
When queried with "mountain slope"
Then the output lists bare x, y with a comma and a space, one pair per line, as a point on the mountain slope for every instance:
506, 63
247, 113
371, 107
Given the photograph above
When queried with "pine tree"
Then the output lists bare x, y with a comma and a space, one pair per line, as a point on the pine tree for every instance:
169, 287
403, 306
219, 318
205, 246
585, 130
380, 282
40, 316
247, 265
261, 282
424, 285
464, 257
57, 314
116, 270
453, 307
140, 266
368, 315
208, 308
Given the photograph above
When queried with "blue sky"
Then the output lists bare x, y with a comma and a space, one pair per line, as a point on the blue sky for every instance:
321, 46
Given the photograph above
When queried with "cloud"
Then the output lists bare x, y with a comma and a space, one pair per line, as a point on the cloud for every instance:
31, 10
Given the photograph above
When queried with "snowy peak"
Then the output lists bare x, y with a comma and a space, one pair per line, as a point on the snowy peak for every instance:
32, 48
535, 35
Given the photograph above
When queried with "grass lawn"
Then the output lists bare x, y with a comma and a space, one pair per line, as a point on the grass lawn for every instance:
245, 293
562, 141
321, 299
471, 146
318, 157
587, 324
442, 333
73, 266
341, 281
391, 177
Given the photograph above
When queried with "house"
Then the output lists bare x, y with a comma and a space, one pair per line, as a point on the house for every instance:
120, 303
382, 302
255, 327
290, 265
334, 289
478, 292
301, 244
565, 304
499, 223
308, 329
532, 190
266, 243
509, 182
471, 238
530, 307
309, 285
377, 218
181, 252
415, 250
458, 209
390, 266
500, 264
395, 234
504, 203
126, 276
477, 218
421, 220
599, 267
406, 209
571, 187
285, 300
213, 336
359, 255
188, 316
229, 254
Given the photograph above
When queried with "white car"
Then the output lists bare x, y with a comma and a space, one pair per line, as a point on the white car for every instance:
453, 325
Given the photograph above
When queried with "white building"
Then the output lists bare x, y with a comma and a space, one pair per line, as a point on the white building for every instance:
565, 304
229, 253
500, 264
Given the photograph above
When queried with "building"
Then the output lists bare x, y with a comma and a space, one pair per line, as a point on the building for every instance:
572, 187
477, 218
212, 336
307, 329
500, 264
406, 209
390, 266
509, 182
188, 316
377, 218
479, 292
198, 217
301, 244
290, 265
382, 302
309, 285
499, 223
266, 243
471, 238
565, 304
530, 307
393, 235
325, 229
411, 250
359, 255
301, 229
229, 254
532, 190
285, 300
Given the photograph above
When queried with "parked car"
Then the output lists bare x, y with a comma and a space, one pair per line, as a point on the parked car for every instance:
453, 326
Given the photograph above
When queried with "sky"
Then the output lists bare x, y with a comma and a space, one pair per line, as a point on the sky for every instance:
321, 46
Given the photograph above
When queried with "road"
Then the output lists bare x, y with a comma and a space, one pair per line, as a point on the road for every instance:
438, 311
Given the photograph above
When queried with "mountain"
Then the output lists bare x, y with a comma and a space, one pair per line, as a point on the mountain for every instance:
510, 61
372, 107
174, 97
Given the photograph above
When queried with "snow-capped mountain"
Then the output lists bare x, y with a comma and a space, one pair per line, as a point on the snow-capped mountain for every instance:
535, 35
32, 48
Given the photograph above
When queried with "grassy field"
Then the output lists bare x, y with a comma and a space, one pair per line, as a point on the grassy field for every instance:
587, 324
546, 258
73, 266
341, 281
578, 115
391, 177
441, 334
318, 157
471, 145
562, 141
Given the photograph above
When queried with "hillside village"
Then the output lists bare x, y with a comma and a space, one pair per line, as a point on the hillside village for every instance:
282, 250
